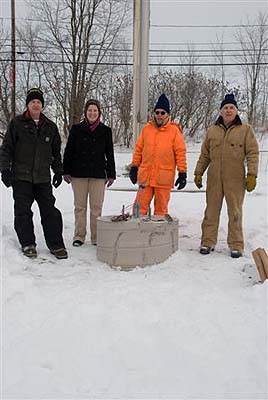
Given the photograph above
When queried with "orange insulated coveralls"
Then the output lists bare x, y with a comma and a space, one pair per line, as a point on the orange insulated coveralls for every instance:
158, 151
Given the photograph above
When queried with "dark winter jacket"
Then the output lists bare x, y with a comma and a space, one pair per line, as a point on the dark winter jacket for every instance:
31, 150
89, 154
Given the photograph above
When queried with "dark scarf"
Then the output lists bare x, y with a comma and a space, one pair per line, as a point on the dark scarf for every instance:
236, 121
93, 126
42, 118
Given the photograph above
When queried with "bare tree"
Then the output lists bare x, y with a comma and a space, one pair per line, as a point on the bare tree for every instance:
76, 37
124, 89
219, 55
105, 93
254, 45
115, 92
263, 103
194, 98
123, 93
5, 93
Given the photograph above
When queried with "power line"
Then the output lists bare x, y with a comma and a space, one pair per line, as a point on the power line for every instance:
192, 43
188, 51
207, 26
157, 43
159, 25
205, 55
184, 51
265, 53
200, 50
150, 64
26, 19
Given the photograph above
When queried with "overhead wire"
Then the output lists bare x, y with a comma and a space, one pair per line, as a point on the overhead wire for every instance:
206, 26
167, 53
187, 51
153, 56
27, 19
131, 64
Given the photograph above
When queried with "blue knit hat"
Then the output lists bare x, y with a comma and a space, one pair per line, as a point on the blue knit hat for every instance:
228, 99
163, 103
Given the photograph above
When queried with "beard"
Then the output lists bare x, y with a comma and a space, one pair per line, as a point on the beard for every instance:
158, 124
162, 123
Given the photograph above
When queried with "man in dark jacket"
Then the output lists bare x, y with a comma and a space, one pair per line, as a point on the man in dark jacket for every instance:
30, 147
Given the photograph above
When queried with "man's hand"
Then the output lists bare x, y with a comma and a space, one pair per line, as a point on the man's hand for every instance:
181, 180
7, 177
133, 175
251, 182
56, 181
67, 178
198, 181
109, 182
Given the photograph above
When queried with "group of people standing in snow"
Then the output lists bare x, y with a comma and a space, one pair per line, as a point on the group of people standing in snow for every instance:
32, 146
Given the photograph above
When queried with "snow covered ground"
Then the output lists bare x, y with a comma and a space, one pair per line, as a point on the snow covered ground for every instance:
193, 327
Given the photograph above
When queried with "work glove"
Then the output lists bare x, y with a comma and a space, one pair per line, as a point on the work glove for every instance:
56, 181
251, 181
198, 181
181, 180
67, 178
109, 182
7, 177
133, 175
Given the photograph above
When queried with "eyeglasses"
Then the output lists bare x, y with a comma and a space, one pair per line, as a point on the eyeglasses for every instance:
160, 112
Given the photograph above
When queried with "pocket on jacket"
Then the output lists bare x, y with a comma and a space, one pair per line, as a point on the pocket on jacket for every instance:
166, 177
43, 156
214, 147
215, 142
142, 175
237, 150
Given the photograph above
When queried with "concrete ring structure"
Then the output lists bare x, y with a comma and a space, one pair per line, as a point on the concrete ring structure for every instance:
136, 242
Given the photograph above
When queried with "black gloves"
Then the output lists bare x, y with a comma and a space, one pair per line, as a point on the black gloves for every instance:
133, 175
7, 177
181, 180
56, 181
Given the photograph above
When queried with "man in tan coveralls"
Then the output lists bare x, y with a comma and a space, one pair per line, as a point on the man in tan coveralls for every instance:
226, 147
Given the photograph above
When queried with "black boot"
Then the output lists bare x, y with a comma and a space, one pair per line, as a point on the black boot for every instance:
30, 251
206, 249
60, 253
236, 253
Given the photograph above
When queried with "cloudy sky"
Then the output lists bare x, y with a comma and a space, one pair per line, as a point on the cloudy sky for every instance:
216, 12
174, 24
177, 12
203, 24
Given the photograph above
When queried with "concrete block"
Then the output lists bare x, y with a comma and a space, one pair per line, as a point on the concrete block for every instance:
136, 242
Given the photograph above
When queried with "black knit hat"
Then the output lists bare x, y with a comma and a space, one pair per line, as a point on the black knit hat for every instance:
228, 99
163, 103
35, 93
92, 102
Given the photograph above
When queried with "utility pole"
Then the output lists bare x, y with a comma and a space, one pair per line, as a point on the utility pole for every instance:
13, 61
140, 65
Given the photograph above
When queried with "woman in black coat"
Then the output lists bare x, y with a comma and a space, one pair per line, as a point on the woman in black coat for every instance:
88, 166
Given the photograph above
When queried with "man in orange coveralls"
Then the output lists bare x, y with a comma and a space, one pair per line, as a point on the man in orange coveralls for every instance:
159, 149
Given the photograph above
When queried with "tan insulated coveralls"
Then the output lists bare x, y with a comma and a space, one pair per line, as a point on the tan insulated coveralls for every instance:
225, 152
